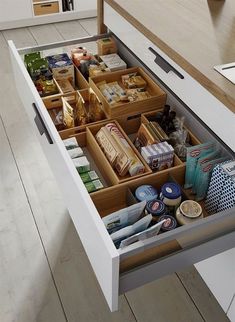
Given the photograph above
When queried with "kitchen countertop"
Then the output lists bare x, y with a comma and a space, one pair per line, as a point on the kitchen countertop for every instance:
196, 34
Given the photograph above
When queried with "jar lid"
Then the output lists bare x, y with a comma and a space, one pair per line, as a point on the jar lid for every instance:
146, 192
171, 190
155, 207
169, 224
190, 209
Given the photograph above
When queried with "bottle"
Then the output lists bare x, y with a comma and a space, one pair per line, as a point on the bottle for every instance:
50, 86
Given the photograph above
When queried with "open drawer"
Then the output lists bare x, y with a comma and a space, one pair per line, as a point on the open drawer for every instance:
117, 270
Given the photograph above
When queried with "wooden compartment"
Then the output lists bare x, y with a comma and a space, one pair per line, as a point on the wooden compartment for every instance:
148, 116
46, 8
107, 201
157, 99
103, 161
86, 143
54, 103
131, 124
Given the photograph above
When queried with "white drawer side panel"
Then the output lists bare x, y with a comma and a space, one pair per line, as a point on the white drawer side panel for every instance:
95, 239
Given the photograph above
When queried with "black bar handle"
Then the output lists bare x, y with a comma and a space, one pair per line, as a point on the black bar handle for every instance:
41, 125
161, 62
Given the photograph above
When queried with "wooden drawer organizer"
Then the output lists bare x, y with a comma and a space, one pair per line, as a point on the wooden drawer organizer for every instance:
55, 102
103, 161
157, 99
46, 8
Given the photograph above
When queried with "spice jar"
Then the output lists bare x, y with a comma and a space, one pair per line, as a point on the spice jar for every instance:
155, 208
146, 192
171, 196
169, 224
188, 212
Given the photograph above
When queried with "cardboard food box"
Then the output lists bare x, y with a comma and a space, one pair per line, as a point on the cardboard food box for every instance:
62, 67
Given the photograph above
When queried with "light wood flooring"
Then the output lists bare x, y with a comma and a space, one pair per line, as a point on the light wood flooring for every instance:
44, 272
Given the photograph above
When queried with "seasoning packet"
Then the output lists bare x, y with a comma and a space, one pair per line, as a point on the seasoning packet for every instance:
95, 108
133, 81
89, 176
193, 154
208, 157
125, 232
124, 217
81, 164
148, 233
70, 143
80, 113
203, 177
57, 118
75, 153
28, 58
93, 186
68, 117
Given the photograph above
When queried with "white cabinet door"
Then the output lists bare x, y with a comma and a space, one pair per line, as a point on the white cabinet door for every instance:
11, 10
84, 5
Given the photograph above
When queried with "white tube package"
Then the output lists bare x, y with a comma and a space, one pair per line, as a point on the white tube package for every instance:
124, 217
148, 233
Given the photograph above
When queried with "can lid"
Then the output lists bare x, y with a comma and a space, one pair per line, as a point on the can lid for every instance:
190, 209
171, 190
155, 207
146, 192
169, 224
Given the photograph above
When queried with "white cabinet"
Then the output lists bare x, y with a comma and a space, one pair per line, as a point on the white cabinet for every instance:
119, 271
21, 13
84, 5
11, 10
219, 274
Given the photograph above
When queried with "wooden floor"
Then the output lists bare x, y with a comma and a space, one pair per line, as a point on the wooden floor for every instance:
44, 272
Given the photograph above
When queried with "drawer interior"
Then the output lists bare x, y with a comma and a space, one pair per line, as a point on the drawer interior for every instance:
118, 192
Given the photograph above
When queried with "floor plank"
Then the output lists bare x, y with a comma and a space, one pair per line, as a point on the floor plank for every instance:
45, 34
90, 25
21, 37
27, 292
163, 300
71, 30
205, 301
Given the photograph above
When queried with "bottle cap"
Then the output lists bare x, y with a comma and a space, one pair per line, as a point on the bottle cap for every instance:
190, 209
146, 192
155, 207
169, 224
171, 190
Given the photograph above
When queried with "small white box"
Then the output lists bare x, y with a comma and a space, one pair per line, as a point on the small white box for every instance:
113, 62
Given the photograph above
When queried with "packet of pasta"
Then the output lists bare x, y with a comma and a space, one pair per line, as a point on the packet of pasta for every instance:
68, 117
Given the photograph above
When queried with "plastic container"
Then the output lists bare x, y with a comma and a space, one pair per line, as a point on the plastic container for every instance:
189, 211
171, 196
156, 208
146, 192
169, 224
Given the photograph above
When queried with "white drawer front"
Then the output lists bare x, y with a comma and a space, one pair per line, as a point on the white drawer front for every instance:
213, 113
100, 250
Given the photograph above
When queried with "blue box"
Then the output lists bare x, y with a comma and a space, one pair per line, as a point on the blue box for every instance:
62, 67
